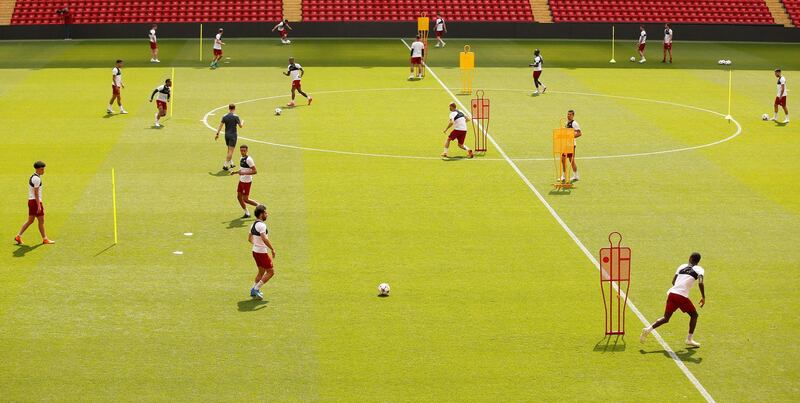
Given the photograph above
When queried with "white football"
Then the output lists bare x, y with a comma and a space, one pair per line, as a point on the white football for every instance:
277, 111
721, 62
728, 62
633, 59
383, 289
765, 117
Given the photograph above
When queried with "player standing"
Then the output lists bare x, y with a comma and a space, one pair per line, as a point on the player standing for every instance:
35, 206
283, 29
458, 121
780, 98
417, 53
163, 92
296, 72
246, 171
678, 297
232, 122
217, 49
153, 45
642, 43
571, 124
537, 71
667, 43
260, 240
116, 87
440, 28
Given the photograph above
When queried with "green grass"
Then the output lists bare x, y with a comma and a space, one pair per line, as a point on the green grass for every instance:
491, 299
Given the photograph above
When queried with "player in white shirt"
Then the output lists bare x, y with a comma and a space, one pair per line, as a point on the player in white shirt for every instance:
247, 168
667, 43
642, 43
441, 28
283, 29
217, 49
116, 87
678, 297
261, 246
35, 206
296, 72
417, 54
164, 93
458, 121
153, 45
571, 124
537, 71
780, 97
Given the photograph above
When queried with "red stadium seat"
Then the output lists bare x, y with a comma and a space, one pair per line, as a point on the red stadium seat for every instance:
696, 11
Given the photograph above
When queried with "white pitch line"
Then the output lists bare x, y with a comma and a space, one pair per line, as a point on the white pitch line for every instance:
577, 241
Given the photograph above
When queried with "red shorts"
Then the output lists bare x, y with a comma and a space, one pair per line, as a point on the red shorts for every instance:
668, 46
244, 188
284, 33
153, 45
161, 105
217, 52
114, 89
295, 84
574, 151
675, 301
33, 208
641, 46
537, 74
459, 135
416, 60
780, 101
439, 34
263, 260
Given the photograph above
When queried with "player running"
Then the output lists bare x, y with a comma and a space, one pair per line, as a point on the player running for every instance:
116, 87
35, 206
667, 43
296, 72
417, 53
642, 43
780, 99
537, 71
571, 124
163, 92
678, 297
283, 29
232, 123
441, 29
217, 50
153, 45
246, 171
458, 121
260, 240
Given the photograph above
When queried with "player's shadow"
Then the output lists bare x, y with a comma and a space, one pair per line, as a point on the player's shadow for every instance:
781, 124
251, 305
236, 223
686, 355
610, 344
159, 127
220, 173
455, 158
560, 192
108, 115
23, 249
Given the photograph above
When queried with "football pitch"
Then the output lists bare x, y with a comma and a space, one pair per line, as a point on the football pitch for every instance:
494, 294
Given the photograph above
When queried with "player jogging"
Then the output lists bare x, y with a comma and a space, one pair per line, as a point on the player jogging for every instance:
642, 43
153, 45
441, 29
537, 71
246, 171
296, 72
678, 297
571, 124
163, 92
458, 121
232, 122
780, 99
116, 87
217, 49
283, 29
667, 43
35, 206
258, 237
417, 53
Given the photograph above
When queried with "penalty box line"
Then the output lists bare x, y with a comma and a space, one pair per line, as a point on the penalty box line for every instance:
574, 237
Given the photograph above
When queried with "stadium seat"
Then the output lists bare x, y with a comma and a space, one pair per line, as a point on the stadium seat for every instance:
678, 11
407, 10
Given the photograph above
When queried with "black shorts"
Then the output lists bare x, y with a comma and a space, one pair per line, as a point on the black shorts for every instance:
230, 140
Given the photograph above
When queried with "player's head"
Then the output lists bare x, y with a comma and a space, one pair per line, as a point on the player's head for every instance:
243, 150
536, 52
438, 14
570, 114
168, 82
261, 212
285, 21
452, 106
231, 107
777, 72
220, 30
418, 37
154, 26
119, 62
39, 167
666, 25
694, 258
291, 60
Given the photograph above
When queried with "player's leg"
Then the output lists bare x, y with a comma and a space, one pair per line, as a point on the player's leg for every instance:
268, 274
254, 292
575, 176
563, 167
446, 147
229, 155
302, 93
22, 230
664, 59
785, 111
670, 53
461, 139
776, 105
42, 232
240, 197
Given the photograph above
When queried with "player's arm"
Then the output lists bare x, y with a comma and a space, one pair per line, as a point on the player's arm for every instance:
216, 136
250, 237
287, 26
268, 243
38, 199
578, 133
783, 89
275, 27
674, 278
245, 171
153, 94
449, 125
239, 122
702, 288
302, 72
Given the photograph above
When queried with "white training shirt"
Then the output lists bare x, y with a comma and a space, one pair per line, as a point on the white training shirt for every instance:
642, 37
117, 72
152, 36
161, 95
250, 164
294, 71
668, 35
416, 49
574, 125
281, 26
459, 120
218, 42
537, 63
439, 24
687, 275
34, 182
258, 244
782, 83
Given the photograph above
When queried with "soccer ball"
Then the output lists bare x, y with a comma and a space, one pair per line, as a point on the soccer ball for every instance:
633, 59
277, 111
721, 62
765, 117
728, 62
383, 289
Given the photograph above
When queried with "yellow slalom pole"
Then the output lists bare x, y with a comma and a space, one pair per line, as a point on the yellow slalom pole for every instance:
114, 202
201, 42
172, 94
730, 92
612, 45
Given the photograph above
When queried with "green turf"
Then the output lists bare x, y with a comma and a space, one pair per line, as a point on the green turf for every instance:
491, 299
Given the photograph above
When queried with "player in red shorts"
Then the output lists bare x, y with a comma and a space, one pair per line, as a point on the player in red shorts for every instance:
667, 43
35, 206
458, 121
440, 28
163, 92
296, 72
246, 171
780, 98
283, 29
642, 43
571, 124
116, 88
261, 246
417, 54
217, 50
153, 45
678, 297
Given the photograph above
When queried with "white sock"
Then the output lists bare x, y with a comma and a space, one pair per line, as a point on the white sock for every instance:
649, 328
255, 284
259, 284
109, 106
776, 116
246, 212
689, 337
121, 108
445, 151
157, 117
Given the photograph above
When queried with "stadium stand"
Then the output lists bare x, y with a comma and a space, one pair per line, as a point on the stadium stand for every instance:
409, 10
677, 11
793, 8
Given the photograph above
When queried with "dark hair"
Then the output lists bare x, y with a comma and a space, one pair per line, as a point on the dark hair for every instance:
694, 258
571, 111
285, 20
169, 80
231, 106
777, 70
260, 209
536, 52
418, 37
39, 164
119, 60
243, 146
220, 30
